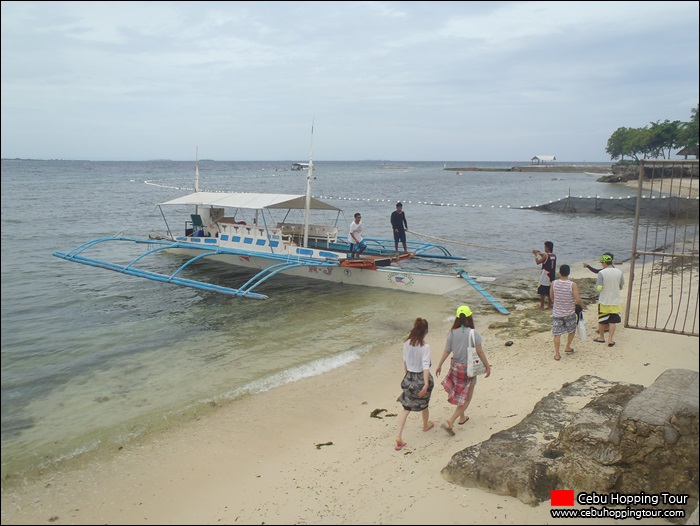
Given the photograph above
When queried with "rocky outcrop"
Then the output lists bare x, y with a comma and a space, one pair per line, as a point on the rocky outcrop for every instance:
594, 435
622, 173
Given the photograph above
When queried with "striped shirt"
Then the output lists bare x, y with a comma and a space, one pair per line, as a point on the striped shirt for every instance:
564, 303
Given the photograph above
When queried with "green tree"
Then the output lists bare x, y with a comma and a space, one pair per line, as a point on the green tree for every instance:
616, 144
653, 141
688, 134
663, 138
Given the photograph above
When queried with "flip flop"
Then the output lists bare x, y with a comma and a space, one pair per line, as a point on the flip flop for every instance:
569, 351
465, 421
399, 447
598, 341
448, 429
611, 344
431, 425
557, 358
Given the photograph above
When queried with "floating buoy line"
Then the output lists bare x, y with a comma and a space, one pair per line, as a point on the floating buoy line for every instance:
160, 183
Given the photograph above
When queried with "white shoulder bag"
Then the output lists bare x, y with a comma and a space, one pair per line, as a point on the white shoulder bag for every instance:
474, 364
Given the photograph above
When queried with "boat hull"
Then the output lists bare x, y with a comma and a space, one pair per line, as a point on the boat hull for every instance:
382, 277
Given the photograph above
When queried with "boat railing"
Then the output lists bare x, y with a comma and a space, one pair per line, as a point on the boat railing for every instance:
230, 221
244, 230
381, 246
295, 231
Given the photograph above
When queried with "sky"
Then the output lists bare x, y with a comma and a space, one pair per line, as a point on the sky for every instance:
343, 81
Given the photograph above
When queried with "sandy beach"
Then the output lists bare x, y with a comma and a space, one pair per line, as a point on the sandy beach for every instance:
311, 453
681, 187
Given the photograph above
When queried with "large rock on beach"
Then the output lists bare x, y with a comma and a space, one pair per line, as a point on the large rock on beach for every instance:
594, 435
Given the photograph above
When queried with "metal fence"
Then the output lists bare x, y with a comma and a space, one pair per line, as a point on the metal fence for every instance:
663, 291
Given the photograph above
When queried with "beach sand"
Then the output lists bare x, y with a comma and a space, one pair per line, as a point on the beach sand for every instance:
684, 187
261, 460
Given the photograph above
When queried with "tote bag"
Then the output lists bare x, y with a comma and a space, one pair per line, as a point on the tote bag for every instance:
474, 364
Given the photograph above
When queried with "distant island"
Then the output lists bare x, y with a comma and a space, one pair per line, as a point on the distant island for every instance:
20, 159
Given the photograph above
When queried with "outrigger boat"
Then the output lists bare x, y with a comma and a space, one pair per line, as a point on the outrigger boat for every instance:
240, 229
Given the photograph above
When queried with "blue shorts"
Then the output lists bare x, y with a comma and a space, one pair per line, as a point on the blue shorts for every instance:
357, 246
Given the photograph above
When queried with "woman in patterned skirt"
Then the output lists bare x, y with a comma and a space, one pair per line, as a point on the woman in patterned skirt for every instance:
459, 386
417, 383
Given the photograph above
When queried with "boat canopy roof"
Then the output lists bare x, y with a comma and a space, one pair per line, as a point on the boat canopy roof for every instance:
251, 201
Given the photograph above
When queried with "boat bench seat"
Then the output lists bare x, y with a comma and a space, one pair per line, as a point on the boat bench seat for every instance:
230, 221
320, 232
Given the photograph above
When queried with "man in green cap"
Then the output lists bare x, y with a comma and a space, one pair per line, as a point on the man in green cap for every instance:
609, 283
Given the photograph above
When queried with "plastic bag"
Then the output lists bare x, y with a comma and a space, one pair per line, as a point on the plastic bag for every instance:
581, 327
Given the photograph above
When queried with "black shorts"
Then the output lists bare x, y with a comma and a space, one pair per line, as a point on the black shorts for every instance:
543, 290
607, 319
400, 236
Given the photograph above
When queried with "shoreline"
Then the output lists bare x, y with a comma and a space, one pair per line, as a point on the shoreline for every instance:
684, 187
267, 459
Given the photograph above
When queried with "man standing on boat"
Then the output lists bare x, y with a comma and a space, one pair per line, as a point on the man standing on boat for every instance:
357, 244
399, 224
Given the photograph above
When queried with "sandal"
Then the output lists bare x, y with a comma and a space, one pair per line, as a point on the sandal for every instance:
598, 341
449, 430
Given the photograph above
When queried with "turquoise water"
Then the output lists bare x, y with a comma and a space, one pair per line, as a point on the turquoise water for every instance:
92, 359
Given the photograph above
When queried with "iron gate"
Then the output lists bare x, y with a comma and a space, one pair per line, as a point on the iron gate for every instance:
663, 291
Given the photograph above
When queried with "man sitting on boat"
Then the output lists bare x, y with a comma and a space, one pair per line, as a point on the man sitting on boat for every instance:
355, 236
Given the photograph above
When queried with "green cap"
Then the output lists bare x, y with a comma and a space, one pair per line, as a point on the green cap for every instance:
464, 310
606, 258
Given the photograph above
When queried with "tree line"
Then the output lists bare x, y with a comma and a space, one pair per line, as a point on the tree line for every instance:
655, 140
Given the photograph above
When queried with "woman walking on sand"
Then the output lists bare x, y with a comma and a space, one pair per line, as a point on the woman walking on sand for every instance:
417, 383
459, 386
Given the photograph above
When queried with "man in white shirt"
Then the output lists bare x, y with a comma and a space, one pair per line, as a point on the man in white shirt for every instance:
357, 244
609, 283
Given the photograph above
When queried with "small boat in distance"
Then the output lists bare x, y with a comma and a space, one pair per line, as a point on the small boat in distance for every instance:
297, 167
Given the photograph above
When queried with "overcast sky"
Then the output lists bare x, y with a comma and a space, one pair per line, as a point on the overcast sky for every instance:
433, 81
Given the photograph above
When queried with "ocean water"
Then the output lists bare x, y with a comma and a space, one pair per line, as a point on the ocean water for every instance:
92, 359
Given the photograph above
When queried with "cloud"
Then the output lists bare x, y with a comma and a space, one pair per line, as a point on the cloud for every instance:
386, 80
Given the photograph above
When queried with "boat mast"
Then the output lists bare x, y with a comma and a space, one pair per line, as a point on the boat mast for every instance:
196, 169
196, 175
309, 176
